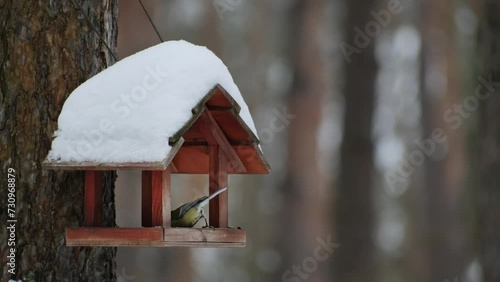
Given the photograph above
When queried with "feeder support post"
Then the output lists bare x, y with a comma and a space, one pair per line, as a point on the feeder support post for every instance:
92, 214
218, 179
156, 198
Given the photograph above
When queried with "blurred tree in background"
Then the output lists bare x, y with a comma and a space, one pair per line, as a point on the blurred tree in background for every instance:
489, 143
357, 119
354, 260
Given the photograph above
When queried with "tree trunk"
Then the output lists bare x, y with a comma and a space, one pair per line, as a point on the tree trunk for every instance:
443, 170
354, 259
47, 49
301, 189
489, 188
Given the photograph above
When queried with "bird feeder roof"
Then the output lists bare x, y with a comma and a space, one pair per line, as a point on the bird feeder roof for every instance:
155, 109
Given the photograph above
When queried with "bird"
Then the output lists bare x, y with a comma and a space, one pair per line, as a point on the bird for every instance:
190, 213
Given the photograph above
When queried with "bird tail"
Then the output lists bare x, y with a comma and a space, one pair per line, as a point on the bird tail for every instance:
204, 202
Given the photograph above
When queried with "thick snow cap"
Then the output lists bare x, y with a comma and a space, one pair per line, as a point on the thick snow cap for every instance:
127, 112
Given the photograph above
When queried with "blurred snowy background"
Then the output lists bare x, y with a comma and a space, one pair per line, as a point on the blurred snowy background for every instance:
346, 96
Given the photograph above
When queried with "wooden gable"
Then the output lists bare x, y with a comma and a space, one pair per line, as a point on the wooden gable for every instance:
216, 120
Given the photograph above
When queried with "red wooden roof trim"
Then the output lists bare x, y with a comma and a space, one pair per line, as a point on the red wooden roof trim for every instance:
215, 136
236, 111
230, 98
240, 149
196, 110
254, 139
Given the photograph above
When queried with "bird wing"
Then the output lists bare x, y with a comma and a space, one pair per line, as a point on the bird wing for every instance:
181, 211
207, 199
201, 202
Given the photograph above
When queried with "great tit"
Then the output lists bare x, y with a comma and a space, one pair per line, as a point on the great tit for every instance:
190, 213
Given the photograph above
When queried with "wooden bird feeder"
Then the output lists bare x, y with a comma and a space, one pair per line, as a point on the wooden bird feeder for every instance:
215, 141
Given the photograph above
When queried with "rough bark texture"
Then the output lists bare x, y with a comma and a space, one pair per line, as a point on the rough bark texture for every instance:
354, 207
47, 49
489, 188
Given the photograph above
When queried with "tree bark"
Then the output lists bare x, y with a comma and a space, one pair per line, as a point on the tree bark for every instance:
354, 259
47, 49
489, 152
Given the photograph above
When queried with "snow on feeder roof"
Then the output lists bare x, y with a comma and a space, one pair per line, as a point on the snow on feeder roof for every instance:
143, 113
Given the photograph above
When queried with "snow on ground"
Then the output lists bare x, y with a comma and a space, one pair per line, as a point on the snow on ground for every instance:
127, 112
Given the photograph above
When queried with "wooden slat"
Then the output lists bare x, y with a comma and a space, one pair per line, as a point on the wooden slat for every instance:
165, 194
219, 100
173, 168
184, 160
93, 198
215, 136
253, 158
221, 235
216, 97
231, 127
113, 236
153, 244
199, 244
218, 179
193, 134
250, 155
155, 237
220, 97
156, 198
146, 199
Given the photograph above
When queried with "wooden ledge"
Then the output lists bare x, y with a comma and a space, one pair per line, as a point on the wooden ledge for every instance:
155, 237
99, 236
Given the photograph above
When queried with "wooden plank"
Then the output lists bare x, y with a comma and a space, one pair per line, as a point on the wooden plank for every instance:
201, 245
253, 158
155, 237
216, 97
173, 168
152, 244
156, 198
215, 136
221, 235
219, 100
250, 155
232, 128
184, 163
220, 97
218, 178
165, 194
112, 236
194, 134
147, 199
93, 198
